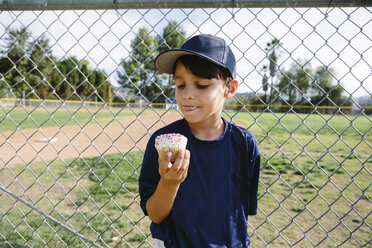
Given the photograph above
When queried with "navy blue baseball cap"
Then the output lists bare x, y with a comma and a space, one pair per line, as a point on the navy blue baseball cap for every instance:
209, 47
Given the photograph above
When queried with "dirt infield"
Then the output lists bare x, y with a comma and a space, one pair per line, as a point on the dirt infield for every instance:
53, 143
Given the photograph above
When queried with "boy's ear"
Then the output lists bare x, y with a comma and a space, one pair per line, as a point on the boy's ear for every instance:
231, 88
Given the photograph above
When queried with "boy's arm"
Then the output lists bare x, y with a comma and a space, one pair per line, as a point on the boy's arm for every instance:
160, 204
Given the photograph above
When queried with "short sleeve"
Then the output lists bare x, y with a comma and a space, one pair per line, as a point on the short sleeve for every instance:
149, 175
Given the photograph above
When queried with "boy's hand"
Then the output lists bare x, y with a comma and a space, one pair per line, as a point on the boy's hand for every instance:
174, 173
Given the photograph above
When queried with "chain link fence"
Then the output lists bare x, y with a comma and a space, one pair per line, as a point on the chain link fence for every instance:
79, 98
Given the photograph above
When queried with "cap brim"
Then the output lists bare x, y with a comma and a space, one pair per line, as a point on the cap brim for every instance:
166, 60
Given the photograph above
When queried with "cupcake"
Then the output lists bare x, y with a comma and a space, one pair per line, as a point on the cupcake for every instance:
170, 142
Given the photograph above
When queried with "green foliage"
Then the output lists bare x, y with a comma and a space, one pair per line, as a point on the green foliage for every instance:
294, 83
325, 93
16, 54
299, 84
31, 70
41, 62
303, 86
273, 50
246, 102
139, 74
173, 37
139, 68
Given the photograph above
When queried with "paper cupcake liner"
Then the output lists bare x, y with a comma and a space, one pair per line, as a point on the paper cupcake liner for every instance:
163, 150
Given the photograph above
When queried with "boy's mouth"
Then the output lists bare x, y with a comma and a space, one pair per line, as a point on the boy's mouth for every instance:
188, 108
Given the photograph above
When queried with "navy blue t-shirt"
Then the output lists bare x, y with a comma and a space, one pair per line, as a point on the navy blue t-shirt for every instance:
218, 194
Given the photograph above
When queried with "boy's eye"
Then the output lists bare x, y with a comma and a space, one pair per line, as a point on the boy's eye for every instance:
199, 86
202, 86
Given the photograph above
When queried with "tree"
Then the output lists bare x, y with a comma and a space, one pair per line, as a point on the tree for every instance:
173, 37
304, 86
363, 103
294, 83
139, 74
14, 61
30, 68
139, 68
73, 79
271, 49
65, 78
265, 79
99, 81
324, 92
41, 61
25, 63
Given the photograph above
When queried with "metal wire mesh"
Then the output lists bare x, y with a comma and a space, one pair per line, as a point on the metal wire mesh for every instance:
80, 98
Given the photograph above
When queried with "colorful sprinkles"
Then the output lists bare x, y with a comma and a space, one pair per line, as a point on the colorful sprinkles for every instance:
170, 140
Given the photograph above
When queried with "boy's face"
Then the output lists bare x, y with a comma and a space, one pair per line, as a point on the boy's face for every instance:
200, 100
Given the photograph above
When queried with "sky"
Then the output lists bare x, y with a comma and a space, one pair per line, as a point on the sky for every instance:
335, 37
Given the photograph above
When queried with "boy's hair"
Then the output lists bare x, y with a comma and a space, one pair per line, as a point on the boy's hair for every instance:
203, 68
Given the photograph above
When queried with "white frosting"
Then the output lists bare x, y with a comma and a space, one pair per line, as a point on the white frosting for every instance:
170, 140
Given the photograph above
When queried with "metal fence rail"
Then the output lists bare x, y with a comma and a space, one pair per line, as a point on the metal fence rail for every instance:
148, 4
79, 98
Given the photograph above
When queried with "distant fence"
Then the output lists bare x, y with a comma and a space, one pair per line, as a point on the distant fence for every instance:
73, 103
79, 98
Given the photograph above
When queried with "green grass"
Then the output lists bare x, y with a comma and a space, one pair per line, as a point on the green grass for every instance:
315, 178
282, 123
315, 189
99, 190
31, 118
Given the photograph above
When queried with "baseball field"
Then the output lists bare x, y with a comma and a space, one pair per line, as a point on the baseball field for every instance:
81, 167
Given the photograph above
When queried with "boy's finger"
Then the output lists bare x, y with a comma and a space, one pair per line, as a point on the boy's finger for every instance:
164, 163
186, 159
178, 162
185, 162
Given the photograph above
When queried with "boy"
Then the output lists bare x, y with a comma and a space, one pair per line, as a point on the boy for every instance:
203, 198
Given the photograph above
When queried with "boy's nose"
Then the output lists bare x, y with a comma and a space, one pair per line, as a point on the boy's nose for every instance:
188, 93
